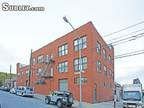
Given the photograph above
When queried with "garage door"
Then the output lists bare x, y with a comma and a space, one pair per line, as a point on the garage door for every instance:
63, 84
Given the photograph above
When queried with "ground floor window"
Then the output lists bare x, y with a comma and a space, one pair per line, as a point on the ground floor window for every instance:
63, 84
77, 80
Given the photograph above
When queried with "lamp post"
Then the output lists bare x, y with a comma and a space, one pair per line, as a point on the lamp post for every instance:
80, 61
10, 76
30, 69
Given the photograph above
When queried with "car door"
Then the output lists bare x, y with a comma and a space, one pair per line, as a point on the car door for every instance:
54, 97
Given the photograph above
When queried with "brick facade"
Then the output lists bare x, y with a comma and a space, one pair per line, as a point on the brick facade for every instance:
98, 65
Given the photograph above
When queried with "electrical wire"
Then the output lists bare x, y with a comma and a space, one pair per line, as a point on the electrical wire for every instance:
129, 54
134, 37
124, 29
126, 35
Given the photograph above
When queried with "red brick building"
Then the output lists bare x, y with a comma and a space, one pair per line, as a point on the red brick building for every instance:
54, 66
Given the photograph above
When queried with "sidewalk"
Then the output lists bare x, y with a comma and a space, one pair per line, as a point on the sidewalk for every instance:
108, 104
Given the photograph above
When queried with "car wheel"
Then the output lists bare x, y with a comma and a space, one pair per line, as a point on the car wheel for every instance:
70, 105
47, 100
59, 103
22, 94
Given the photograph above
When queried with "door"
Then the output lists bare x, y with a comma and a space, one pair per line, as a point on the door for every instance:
95, 94
63, 85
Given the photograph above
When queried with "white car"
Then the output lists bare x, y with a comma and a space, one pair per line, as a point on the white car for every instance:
13, 90
25, 91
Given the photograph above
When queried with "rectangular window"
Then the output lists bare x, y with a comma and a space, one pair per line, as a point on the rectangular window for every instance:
47, 59
27, 73
22, 73
63, 67
110, 59
111, 74
82, 64
63, 84
80, 43
18, 74
40, 59
63, 50
104, 54
51, 71
98, 66
98, 47
77, 80
40, 72
33, 61
105, 70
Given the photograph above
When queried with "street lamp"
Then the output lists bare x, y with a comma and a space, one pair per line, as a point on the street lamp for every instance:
80, 68
30, 69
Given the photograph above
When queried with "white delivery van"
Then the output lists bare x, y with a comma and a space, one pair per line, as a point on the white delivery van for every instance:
132, 96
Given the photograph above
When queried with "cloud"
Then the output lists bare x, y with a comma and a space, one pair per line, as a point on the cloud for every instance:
6, 58
128, 78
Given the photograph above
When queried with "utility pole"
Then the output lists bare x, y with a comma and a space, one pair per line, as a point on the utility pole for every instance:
10, 75
30, 69
80, 67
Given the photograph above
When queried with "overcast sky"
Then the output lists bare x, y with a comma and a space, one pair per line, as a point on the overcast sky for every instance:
21, 31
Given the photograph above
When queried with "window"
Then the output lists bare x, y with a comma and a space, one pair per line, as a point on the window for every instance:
22, 73
63, 84
63, 50
98, 47
46, 59
51, 71
78, 65
40, 59
18, 74
80, 43
33, 61
105, 70
63, 67
104, 84
110, 59
110, 73
39, 72
104, 54
98, 66
27, 73
77, 80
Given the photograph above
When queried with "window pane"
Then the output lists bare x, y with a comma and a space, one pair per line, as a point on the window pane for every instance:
76, 42
84, 39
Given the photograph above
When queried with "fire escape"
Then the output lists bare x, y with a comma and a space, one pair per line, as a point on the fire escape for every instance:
47, 73
48, 63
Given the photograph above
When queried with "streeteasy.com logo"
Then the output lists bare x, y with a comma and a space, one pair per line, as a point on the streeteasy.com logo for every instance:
7, 7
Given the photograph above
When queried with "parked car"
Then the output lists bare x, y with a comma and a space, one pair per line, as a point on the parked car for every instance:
60, 98
13, 90
25, 91
4, 88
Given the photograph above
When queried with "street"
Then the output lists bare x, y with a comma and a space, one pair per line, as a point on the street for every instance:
8, 100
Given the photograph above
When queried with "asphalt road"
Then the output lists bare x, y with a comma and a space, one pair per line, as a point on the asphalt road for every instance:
8, 100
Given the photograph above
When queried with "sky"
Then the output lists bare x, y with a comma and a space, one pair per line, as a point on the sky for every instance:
21, 31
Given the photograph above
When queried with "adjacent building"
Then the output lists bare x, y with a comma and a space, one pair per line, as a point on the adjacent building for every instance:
55, 66
136, 81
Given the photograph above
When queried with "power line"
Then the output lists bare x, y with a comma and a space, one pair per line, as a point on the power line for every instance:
134, 37
126, 35
129, 54
123, 42
124, 29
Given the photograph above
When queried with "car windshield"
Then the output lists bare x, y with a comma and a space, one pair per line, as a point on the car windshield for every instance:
30, 89
132, 95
